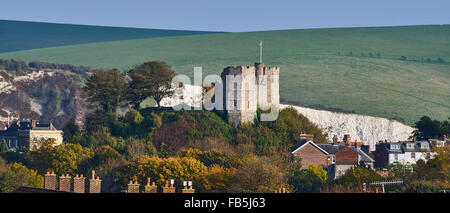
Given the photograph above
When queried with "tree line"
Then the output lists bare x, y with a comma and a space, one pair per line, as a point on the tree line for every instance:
21, 67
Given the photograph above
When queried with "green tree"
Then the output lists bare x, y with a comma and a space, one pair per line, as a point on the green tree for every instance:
105, 153
401, 171
105, 88
70, 129
151, 79
18, 175
436, 167
62, 159
4, 146
309, 180
358, 176
427, 128
133, 117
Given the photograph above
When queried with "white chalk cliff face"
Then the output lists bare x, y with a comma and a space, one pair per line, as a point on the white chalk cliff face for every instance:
367, 129
364, 128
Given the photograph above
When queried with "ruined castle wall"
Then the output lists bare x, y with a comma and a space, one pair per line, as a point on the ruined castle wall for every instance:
253, 86
268, 87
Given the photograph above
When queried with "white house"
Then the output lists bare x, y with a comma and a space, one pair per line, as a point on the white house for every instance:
402, 152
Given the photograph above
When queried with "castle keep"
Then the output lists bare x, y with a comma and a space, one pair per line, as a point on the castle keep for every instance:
245, 88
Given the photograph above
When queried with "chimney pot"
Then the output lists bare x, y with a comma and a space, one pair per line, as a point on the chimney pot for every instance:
131, 182
98, 178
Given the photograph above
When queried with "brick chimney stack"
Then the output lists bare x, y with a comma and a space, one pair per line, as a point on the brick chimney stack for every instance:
335, 140
169, 188
79, 183
133, 187
187, 187
95, 184
150, 188
306, 137
64, 182
346, 138
50, 181
33, 123
303, 137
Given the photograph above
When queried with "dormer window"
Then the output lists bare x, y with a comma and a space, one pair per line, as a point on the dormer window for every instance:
395, 146
410, 146
424, 145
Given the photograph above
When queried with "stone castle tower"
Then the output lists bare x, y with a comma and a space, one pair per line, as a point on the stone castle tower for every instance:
248, 87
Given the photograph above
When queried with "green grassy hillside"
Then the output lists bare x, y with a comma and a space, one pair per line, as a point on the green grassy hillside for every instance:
23, 35
316, 67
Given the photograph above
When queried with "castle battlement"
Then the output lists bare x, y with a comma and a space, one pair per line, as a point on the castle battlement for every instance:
257, 87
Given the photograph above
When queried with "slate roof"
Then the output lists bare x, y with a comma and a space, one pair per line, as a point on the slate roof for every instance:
363, 156
395, 151
330, 148
405, 147
11, 131
26, 189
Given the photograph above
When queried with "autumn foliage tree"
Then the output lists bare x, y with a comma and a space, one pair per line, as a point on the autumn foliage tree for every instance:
258, 175
62, 159
216, 179
308, 180
164, 169
18, 175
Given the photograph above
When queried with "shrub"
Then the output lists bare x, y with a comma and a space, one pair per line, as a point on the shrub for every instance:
18, 175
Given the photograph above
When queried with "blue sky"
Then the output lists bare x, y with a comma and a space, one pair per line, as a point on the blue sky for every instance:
230, 15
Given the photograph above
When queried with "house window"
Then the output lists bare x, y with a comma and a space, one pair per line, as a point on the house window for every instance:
396, 157
413, 155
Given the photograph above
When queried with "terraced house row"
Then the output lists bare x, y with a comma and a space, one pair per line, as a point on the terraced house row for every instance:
339, 156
